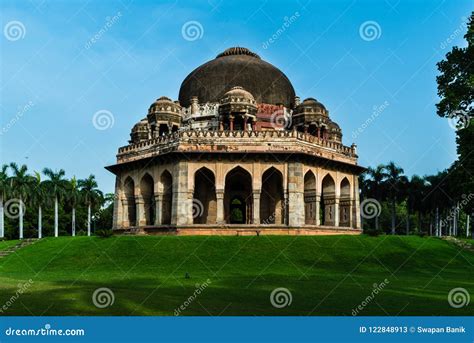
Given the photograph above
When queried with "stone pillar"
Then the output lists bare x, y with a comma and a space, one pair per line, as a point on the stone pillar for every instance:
285, 207
125, 221
319, 132
356, 205
221, 125
306, 129
256, 206
336, 211
295, 194
158, 208
117, 214
220, 206
254, 126
318, 206
182, 204
245, 123
140, 208
231, 123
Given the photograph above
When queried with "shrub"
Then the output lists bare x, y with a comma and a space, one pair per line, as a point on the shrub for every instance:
104, 233
373, 232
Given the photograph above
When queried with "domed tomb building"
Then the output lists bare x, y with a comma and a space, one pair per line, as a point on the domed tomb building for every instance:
237, 154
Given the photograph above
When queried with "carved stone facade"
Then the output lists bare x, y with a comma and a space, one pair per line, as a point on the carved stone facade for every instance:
236, 166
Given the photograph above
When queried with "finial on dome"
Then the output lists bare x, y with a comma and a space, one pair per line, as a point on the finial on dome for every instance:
237, 50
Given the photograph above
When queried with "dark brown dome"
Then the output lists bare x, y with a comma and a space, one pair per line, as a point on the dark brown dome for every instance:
237, 67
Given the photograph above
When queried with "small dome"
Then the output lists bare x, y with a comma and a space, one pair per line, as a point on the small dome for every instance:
238, 94
311, 105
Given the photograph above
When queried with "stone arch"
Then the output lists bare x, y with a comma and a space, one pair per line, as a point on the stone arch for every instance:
328, 197
148, 195
310, 198
345, 203
238, 197
272, 199
204, 197
166, 181
129, 205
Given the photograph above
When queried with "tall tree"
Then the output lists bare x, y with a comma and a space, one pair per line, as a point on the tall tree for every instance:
20, 187
394, 183
74, 197
92, 196
56, 186
4, 187
38, 199
456, 90
374, 186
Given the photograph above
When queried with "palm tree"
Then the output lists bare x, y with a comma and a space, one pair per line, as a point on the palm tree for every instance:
4, 187
74, 197
393, 181
92, 196
56, 186
37, 198
21, 186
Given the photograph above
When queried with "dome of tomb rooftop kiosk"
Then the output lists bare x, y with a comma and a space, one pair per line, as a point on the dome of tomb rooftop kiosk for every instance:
164, 116
140, 131
311, 105
237, 67
238, 100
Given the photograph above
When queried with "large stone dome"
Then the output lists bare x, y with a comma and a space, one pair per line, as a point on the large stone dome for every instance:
237, 67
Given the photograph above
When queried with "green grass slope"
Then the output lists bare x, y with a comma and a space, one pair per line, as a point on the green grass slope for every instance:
326, 275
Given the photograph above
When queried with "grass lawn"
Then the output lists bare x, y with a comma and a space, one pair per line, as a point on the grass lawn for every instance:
326, 275
4, 245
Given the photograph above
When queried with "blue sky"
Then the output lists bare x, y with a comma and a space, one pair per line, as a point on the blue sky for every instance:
380, 88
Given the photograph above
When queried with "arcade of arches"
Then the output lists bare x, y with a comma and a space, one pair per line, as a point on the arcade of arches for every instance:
191, 194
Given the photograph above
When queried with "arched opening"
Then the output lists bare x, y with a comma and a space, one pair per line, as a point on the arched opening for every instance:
345, 203
313, 130
272, 199
204, 198
310, 198
328, 197
238, 196
129, 192
166, 207
148, 195
163, 129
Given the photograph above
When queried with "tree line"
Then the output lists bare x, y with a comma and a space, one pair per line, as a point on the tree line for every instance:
48, 204
436, 205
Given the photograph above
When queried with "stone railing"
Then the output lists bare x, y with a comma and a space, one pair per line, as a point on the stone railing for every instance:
171, 141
